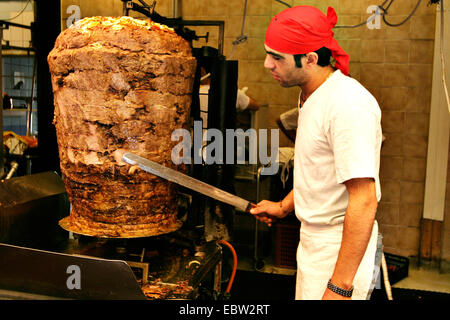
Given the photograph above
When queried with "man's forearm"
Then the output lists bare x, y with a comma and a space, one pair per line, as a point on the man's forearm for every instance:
358, 224
287, 204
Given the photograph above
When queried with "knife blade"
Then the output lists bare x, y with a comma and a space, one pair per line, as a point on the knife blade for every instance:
187, 181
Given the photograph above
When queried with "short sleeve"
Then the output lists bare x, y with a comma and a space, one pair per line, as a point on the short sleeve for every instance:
353, 134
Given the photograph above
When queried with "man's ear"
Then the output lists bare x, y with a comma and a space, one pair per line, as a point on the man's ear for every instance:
312, 58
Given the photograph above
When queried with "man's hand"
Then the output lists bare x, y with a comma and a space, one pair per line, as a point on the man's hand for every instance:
269, 211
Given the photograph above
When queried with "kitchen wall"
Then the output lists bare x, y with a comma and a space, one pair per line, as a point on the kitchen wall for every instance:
11, 11
17, 65
394, 63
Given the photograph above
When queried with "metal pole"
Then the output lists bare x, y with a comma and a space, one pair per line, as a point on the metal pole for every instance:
2, 161
30, 102
256, 264
176, 11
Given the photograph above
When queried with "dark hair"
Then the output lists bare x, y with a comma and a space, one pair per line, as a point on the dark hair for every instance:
324, 57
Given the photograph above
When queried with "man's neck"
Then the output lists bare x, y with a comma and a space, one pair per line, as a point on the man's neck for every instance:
316, 80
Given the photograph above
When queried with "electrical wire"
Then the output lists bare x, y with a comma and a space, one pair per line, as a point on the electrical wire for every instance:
444, 78
406, 19
242, 38
282, 2
384, 14
21, 11
233, 273
243, 18
367, 21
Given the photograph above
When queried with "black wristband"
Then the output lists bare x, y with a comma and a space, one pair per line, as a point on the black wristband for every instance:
340, 291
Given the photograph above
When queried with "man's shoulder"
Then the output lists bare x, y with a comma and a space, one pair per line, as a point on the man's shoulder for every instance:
350, 96
348, 89
350, 83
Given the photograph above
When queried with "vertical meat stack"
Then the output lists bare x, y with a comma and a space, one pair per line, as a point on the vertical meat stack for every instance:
119, 84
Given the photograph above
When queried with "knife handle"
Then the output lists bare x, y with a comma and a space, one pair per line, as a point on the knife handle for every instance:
261, 215
250, 206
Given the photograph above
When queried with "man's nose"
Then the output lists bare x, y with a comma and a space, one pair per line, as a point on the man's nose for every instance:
268, 62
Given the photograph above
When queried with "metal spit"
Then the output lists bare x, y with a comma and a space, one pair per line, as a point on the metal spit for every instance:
2, 164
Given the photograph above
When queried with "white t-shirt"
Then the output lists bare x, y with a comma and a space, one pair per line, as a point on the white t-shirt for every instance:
338, 138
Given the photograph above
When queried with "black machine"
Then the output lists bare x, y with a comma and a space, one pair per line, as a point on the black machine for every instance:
186, 264
41, 260
216, 217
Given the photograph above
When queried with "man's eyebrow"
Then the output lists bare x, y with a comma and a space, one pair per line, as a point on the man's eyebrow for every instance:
275, 54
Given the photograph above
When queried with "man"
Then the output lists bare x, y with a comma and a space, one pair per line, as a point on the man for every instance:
337, 155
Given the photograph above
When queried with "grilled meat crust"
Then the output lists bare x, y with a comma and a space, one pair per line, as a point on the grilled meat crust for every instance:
119, 84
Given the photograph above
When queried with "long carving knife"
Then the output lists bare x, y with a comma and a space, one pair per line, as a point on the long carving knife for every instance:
187, 181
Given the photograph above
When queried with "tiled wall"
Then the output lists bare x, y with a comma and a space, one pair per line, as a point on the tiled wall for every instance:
394, 63
9, 10
402, 85
16, 121
17, 65
17, 70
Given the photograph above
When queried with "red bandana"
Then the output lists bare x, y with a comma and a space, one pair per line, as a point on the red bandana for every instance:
304, 29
